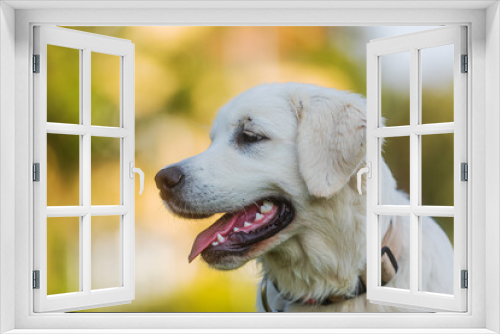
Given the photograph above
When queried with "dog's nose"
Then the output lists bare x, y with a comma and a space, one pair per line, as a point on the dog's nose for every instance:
168, 178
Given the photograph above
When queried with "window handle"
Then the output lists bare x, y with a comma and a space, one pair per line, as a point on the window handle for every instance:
141, 175
368, 171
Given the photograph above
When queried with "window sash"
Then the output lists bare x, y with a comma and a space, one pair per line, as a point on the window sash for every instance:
413, 43
86, 43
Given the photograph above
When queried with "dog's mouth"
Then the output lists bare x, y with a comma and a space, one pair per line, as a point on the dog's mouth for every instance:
234, 233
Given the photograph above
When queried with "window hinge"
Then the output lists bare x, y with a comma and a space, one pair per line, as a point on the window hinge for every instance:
464, 171
36, 279
36, 172
465, 279
36, 63
465, 64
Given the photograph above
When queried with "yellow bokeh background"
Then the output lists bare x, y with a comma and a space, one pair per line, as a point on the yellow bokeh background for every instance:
183, 75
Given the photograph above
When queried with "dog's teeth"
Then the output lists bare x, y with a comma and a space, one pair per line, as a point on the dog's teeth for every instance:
215, 243
266, 207
236, 229
258, 216
220, 238
246, 224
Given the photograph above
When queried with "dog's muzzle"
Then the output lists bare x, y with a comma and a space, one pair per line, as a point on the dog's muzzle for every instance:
168, 180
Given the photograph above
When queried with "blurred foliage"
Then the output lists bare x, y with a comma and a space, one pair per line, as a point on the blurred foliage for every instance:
63, 170
105, 89
105, 169
395, 95
63, 85
63, 254
105, 252
183, 76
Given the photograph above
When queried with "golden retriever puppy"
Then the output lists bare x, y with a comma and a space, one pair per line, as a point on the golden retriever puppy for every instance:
282, 167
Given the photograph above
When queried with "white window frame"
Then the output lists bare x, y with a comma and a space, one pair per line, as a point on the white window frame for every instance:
16, 21
86, 44
376, 131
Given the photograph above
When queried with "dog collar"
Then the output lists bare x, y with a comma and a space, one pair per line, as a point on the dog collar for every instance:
391, 248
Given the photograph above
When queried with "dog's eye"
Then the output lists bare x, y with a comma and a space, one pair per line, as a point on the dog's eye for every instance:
247, 137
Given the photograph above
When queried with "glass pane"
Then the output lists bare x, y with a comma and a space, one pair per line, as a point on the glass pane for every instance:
105, 171
437, 84
395, 83
63, 255
63, 170
437, 169
106, 252
436, 254
394, 232
395, 152
105, 89
63, 85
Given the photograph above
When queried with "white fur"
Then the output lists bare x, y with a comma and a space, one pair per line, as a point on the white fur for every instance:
317, 144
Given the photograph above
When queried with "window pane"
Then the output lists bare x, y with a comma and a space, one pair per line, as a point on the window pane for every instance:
395, 96
437, 84
105, 89
63, 255
436, 254
63, 170
105, 171
394, 232
106, 252
437, 169
395, 151
63, 85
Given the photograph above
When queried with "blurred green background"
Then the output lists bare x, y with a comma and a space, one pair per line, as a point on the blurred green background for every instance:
183, 76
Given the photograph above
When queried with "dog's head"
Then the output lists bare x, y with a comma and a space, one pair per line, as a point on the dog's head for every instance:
275, 149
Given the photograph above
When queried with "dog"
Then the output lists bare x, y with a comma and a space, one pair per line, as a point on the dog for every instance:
282, 167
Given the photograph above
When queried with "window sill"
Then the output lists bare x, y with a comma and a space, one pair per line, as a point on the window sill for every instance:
248, 331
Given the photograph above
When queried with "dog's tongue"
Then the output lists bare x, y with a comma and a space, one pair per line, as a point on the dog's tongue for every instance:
224, 226
205, 238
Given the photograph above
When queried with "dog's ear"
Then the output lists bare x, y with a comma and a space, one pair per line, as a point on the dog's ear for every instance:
330, 138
